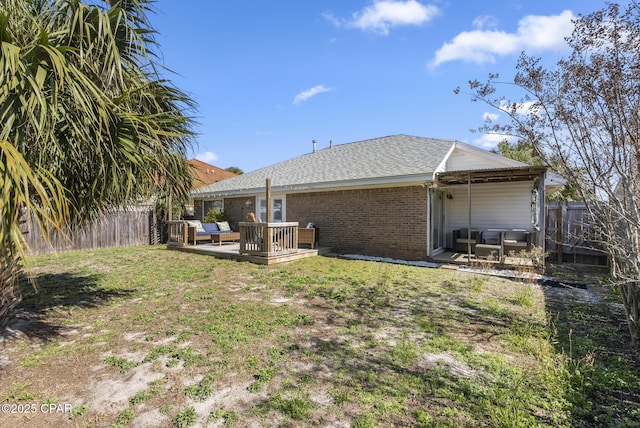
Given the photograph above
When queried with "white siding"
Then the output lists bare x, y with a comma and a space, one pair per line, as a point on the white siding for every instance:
493, 205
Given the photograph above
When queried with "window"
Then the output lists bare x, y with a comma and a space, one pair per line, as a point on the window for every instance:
215, 204
277, 209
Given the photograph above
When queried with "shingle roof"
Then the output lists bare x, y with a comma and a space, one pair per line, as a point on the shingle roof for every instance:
391, 157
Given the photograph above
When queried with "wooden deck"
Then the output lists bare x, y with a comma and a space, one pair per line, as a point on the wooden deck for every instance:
455, 258
232, 251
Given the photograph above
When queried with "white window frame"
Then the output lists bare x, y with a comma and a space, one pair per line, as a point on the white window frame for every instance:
274, 199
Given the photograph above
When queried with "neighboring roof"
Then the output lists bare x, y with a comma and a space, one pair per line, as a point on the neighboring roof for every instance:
206, 174
392, 160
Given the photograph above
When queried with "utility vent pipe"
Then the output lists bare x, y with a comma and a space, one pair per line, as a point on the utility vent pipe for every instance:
314, 145
330, 143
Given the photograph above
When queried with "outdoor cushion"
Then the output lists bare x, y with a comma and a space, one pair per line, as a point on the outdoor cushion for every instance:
465, 240
210, 228
197, 224
491, 237
223, 226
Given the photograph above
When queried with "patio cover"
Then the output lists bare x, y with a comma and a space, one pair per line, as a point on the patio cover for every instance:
499, 175
495, 175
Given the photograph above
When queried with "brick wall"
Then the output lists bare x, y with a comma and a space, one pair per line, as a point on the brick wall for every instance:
237, 210
378, 222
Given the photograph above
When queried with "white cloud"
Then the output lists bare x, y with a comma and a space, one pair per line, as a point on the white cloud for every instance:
305, 95
380, 16
207, 157
535, 33
522, 108
338, 22
485, 21
490, 117
491, 141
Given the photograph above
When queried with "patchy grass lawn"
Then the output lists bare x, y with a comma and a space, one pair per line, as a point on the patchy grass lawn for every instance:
150, 337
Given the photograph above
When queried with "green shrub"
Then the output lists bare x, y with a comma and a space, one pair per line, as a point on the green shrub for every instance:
215, 215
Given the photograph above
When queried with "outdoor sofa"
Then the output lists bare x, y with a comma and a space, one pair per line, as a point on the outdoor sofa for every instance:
492, 242
211, 232
500, 243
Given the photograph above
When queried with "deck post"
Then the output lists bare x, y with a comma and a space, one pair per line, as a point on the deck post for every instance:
268, 201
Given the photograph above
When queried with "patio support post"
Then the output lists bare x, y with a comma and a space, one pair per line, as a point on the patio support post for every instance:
542, 226
430, 219
469, 217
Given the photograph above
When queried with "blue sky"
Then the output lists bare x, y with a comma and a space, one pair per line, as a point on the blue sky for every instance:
270, 77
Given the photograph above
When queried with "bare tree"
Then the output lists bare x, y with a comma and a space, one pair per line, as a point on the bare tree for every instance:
583, 117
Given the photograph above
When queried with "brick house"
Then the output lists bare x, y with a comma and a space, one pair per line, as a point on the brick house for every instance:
398, 196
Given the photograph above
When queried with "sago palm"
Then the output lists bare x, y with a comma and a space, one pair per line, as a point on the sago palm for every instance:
87, 123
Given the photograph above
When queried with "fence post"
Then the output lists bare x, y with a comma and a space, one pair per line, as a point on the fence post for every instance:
560, 231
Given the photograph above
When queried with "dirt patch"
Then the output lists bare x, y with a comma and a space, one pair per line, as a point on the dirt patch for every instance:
114, 392
453, 366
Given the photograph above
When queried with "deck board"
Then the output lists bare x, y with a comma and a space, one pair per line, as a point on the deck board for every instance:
456, 258
232, 251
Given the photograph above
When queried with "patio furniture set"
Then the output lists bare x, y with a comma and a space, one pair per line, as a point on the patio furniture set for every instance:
496, 243
216, 233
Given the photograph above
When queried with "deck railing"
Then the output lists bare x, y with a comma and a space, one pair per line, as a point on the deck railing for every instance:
268, 239
177, 233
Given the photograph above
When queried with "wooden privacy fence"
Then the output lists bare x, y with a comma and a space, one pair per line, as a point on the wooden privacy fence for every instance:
138, 226
569, 235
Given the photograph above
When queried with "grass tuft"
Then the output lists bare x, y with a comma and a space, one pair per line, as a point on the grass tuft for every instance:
121, 363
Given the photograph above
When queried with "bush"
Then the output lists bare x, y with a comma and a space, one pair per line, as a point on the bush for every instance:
214, 216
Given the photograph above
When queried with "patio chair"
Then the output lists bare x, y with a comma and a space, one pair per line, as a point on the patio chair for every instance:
516, 241
461, 239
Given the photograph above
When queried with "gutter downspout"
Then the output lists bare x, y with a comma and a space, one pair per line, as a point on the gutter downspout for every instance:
429, 224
